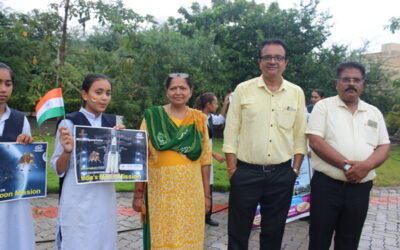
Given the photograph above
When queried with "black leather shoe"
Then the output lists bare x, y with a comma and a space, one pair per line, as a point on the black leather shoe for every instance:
212, 222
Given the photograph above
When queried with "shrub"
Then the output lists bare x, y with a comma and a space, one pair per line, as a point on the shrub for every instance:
393, 121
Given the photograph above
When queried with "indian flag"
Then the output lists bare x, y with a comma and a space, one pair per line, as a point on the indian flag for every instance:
51, 105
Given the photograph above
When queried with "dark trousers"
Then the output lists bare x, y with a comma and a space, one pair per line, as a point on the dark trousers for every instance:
272, 187
209, 213
339, 207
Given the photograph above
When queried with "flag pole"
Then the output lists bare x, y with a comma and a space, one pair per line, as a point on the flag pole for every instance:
62, 92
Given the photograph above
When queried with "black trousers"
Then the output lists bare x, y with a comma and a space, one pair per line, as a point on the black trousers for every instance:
339, 207
272, 187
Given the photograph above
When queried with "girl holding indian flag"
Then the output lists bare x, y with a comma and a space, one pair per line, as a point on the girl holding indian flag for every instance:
87, 213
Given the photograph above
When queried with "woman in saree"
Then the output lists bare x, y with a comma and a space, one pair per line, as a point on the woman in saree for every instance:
177, 194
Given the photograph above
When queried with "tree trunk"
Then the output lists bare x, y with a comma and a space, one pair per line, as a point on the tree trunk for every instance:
63, 39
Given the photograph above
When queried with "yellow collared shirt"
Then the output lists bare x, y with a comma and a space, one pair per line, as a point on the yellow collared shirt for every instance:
264, 127
355, 136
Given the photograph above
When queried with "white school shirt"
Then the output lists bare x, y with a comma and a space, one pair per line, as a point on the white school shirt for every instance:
16, 224
87, 214
217, 120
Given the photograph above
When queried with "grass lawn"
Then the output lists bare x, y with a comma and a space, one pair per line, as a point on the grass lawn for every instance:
221, 182
388, 173
52, 178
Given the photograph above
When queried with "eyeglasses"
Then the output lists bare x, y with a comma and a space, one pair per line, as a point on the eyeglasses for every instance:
349, 80
269, 58
183, 75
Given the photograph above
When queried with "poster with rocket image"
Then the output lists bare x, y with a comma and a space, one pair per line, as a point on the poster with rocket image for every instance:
22, 171
110, 155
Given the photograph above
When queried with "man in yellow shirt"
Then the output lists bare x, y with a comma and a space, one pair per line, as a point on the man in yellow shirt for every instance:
264, 130
349, 139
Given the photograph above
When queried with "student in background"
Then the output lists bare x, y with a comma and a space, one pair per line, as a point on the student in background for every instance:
208, 104
316, 95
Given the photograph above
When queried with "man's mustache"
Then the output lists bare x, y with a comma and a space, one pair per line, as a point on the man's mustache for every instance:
351, 88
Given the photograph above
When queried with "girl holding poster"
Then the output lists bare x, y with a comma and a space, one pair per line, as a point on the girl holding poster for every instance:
16, 225
87, 212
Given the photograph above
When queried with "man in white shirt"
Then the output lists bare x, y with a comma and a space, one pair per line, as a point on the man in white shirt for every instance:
349, 140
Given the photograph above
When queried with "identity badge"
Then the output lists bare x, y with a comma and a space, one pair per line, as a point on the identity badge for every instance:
372, 123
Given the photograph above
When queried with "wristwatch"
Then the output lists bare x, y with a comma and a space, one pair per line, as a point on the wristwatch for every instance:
347, 167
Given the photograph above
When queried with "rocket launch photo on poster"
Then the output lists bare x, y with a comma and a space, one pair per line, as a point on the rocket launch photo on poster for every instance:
110, 155
22, 171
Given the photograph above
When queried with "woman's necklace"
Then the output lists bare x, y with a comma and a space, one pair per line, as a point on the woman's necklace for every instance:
179, 114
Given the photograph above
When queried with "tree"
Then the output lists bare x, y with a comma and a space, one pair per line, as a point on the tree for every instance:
29, 45
216, 45
239, 26
318, 69
140, 65
394, 24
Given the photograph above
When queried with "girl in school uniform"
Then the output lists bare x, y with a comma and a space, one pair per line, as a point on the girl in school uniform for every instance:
208, 104
87, 213
16, 224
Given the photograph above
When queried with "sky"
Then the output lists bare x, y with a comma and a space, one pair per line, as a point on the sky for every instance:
354, 21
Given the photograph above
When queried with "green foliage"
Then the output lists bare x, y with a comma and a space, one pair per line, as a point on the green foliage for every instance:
124, 186
72, 104
378, 90
318, 70
239, 26
216, 45
138, 68
36, 33
20, 101
393, 120
394, 24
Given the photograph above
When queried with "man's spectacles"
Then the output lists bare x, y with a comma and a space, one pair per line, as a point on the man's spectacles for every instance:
269, 58
183, 75
349, 80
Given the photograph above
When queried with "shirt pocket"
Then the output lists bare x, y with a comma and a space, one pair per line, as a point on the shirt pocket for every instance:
286, 117
371, 133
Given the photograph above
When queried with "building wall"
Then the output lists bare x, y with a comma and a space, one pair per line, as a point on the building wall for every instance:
390, 56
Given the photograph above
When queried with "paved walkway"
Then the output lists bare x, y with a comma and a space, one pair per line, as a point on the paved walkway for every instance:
381, 230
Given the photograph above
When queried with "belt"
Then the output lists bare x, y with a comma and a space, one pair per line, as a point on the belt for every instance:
330, 179
262, 168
